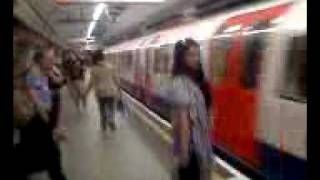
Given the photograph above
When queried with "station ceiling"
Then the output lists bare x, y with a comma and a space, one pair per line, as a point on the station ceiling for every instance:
69, 20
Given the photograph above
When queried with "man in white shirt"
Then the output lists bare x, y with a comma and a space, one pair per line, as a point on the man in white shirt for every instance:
105, 83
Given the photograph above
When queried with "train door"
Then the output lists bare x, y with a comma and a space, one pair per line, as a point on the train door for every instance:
293, 105
142, 71
122, 68
128, 70
166, 55
136, 74
235, 70
236, 85
149, 71
161, 77
283, 121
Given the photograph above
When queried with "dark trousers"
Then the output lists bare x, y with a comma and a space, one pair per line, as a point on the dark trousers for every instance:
55, 110
191, 171
107, 112
37, 151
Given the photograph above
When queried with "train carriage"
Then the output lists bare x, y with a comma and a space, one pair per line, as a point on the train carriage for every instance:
254, 58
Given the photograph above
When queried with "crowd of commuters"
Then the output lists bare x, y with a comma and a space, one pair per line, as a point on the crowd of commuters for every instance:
36, 111
38, 80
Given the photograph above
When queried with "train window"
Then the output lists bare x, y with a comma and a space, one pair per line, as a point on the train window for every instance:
149, 61
157, 61
254, 45
295, 73
165, 59
124, 58
219, 50
170, 59
161, 62
129, 59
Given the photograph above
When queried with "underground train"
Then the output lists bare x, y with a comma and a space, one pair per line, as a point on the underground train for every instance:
254, 57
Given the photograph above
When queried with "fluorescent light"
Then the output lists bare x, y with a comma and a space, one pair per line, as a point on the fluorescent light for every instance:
138, 1
232, 29
96, 16
113, 1
91, 27
98, 11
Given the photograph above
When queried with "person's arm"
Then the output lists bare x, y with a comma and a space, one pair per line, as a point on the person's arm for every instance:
182, 127
91, 83
178, 96
56, 78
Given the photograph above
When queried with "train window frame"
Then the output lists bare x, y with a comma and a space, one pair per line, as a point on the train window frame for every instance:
166, 64
290, 88
156, 62
149, 60
162, 59
129, 59
249, 79
221, 45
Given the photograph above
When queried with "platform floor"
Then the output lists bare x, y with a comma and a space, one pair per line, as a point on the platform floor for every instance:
90, 154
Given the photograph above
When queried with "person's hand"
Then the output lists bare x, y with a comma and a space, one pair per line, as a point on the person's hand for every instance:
43, 113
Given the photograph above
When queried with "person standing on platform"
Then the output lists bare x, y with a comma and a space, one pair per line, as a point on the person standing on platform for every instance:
56, 82
103, 80
190, 121
75, 79
37, 149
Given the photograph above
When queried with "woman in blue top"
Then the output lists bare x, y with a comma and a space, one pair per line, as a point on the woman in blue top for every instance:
190, 101
38, 151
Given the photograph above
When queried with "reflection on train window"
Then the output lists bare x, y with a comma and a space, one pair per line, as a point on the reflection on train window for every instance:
219, 49
161, 63
128, 59
137, 64
295, 84
165, 59
157, 62
149, 60
254, 45
261, 25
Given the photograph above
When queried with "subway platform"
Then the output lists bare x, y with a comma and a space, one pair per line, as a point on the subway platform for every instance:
133, 152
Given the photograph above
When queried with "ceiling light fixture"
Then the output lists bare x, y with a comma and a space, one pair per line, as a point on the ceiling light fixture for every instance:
91, 27
136, 1
108, 1
96, 16
232, 29
98, 11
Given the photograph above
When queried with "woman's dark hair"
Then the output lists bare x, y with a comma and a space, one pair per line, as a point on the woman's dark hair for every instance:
39, 54
180, 67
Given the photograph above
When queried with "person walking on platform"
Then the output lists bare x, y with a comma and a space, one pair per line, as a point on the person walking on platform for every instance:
104, 81
190, 122
76, 81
